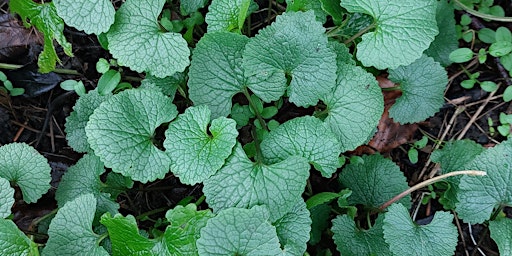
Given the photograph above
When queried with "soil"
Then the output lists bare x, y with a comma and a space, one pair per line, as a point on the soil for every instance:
22, 119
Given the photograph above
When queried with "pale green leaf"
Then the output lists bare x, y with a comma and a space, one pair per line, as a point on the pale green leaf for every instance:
216, 72
343, 56
454, 156
403, 29
438, 238
237, 231
136, 40
354, 107
228, 15
446, 41
196, 150
84, 178
479, 195
23, 165
116, 184
94, 16
121, 132
242, 183
126, 240
501, 233
461, 55
306, 5
294, 47
44, 17
374, 182
186, 222
422, 84
76, 121
13, 242
293, 229
307, 137
6, 198
70, 231
353, 241
168, 85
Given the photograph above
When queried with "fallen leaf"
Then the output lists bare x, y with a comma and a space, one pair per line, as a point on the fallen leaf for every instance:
16, 39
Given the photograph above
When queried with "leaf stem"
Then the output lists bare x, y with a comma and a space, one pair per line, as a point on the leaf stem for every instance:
259, 156
149, 213
255, 109
200, 200
429, 182
360, 33
57, 70
482, 15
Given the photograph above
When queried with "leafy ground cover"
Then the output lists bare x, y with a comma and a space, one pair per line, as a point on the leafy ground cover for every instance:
240, 127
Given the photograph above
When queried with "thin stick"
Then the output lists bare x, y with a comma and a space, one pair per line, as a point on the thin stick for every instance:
428, 182
475, 116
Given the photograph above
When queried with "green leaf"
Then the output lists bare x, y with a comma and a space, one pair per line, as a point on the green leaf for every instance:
90, 16
241, 114
355, 107
71, 232
412, 153
307, 137
503, 34
84, 178
488, 86
186, 222
6, 198
13, 242
108, 82
321, 198
308, 62
237, 231
374, 182
216, 72
333, 8
407, 238
228, 15
461, 55
23, 165
293, 229
501, 233
446, 41
136, 41
44, 17
454, 156
306, 5
125, 237
121, 132
422, 84
343, 56
77, 120
353, 241
189, 6
168, 85
196, 150
403, 30
478, 196
500, 48
487, 35
320, 216
242, 183
507, 94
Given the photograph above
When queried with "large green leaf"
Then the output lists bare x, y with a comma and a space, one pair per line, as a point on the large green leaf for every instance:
454, 156
242, 183
478, 196
355, 107
6, 198
306, 5
353, 241
83, 178
374, 181
196, 150
501, 233
293, 48
186, 222
446, 42
168, 85
237, 231
121, 132
216, 71
13, 242
422, 84
76, 121
71, 232
94, 16
23, 165
189, 6
403, 29
438, 238
44, 17
293, 229
228, 15
307, 137
136, 40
